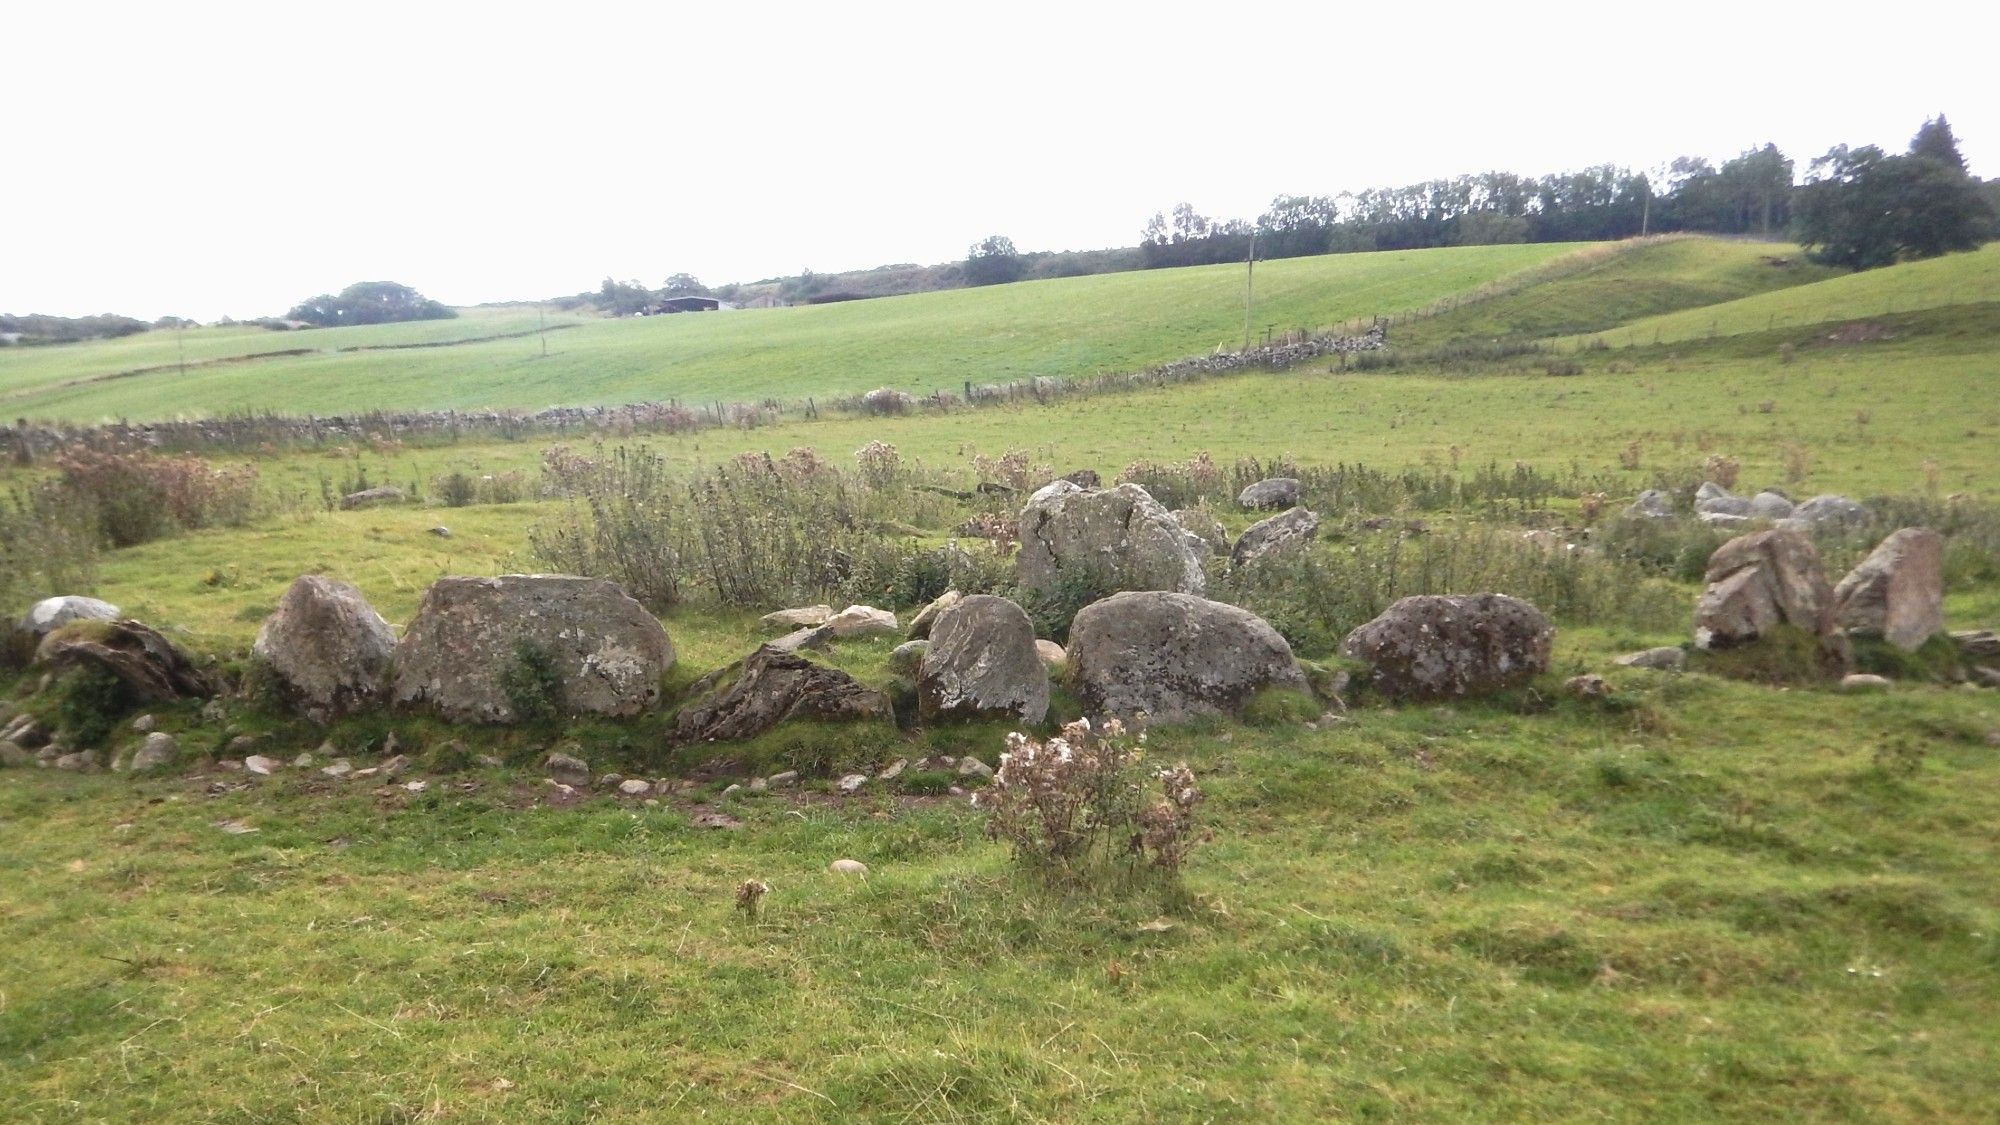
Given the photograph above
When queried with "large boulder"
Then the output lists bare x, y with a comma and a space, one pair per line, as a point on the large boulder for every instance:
1830, 512
1277, 492
152, 668
771, 687
982, 664
369, 497
1768, 505
1758, 582
328, 648
1110, 538
1433, 646
1172, 657
50, 614
1294, 527
471, 634
1897, 593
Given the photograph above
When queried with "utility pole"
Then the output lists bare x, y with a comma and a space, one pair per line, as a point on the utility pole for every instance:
1249, 287
542, 315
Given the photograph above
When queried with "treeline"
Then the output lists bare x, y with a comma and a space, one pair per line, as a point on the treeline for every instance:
36, 328
1855, 208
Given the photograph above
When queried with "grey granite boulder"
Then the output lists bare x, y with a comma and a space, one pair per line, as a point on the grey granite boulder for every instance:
1173, 657
1433, 646
471, 635
982, 664
328, 648
1897, 592
1110, 538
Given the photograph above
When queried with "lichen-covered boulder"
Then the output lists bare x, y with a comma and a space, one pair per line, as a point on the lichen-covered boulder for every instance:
152, 668
1758, 582
771, 687
982, 664
369, 497
327, 647
471, 635
1110, 538
802, 617
1172, 657
861, 621
1294, 527
1433, 646
50, 614
1277, 492
1897, 593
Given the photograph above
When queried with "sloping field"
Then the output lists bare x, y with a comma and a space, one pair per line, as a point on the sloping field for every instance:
1956, 279
1647, 279
919, 343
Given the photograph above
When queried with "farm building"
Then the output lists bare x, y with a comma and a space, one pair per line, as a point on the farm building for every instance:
681, 305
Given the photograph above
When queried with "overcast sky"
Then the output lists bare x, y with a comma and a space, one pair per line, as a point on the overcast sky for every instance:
203, 159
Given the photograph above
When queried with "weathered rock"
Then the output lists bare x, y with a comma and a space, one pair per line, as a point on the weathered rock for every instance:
920, 625
1294, 527
50, 614
1652, 504
77, 761
25, 732
241, 746
470, 634
982, 663
396, 766
804, 617
1590, 685
1110, 539
1172, 657
1083, 478
566, 769
152, 668
635, 787
368, 497
1768, 505
862, 621
1862, 681
1438, 646
1986, 677
817, 636
773, 687
851, 783
893, 770
1277, 492
1052, 654
13, 756
261, 765
907, 656
1977, 644
1666, 658
1897, 592
1724, 505
155, 751
1722, 519
337, 769
970, 766
1207, 530
441, 531
1760, 581
328, 648
144, 724
851, 867
1830, 511
1709, 491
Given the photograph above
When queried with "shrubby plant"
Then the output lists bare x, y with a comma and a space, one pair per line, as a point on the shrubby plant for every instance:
142, 496
1079, 800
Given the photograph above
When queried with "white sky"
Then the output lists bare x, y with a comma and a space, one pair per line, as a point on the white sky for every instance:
202, 159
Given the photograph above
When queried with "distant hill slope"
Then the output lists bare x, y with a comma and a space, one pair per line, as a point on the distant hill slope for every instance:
1647, 279
920, 343
1955, 279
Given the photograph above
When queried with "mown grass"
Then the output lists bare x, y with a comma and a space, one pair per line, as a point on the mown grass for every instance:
1464, 912
919, 343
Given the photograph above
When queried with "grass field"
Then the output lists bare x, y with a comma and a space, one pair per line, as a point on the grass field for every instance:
919, 343
1698, 899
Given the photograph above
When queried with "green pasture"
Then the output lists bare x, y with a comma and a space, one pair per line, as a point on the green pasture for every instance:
919, 343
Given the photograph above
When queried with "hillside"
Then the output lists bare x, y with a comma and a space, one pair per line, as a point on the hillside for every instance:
1956, 279
919, 343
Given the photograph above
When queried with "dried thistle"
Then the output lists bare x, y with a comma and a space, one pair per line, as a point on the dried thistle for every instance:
750, 895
